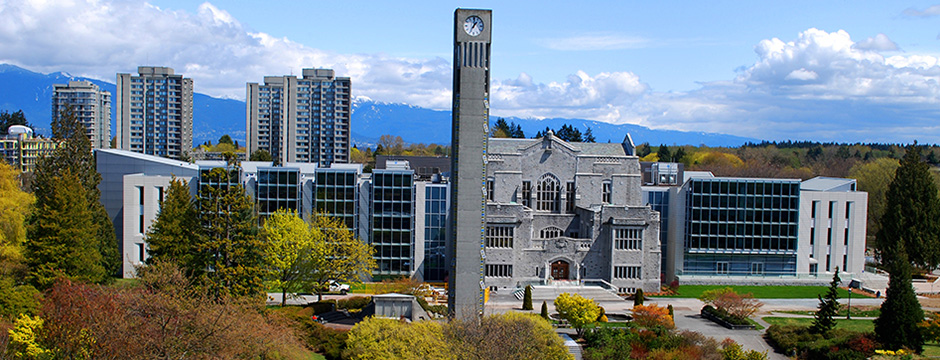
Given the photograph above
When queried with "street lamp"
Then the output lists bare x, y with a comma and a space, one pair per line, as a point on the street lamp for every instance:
848, 314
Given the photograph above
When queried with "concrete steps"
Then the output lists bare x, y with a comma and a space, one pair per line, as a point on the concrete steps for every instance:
550, 292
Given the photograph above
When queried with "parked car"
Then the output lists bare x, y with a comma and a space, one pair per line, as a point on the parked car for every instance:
336, 287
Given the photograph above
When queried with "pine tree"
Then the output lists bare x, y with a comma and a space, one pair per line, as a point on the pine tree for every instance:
897, 326
527, 298
176, 232
501, 129
664, 154
231, 250
544, 310
638, 298
73, 155
8, 119
589, 136
911, 213
828, 307
61, 236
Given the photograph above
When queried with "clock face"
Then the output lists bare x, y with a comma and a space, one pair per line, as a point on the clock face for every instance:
473, 25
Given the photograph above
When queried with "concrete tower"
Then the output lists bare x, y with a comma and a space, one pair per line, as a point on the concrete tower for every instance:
155, 112
472, 30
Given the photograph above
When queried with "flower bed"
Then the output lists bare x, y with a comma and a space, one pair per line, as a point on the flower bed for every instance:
724, 319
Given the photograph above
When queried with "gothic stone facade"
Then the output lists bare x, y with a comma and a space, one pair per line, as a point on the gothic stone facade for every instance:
568, 211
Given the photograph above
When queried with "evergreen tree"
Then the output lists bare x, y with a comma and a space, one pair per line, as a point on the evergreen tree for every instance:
910, 214
544, 310
643, 149
638, 298
500, 129
61, 235
516, 131
225, 139
527, 298
231, 251
897, 326
260, 155
589, 136
8, 119
828, 307
664, 154
677, 157
176, 232
74, 156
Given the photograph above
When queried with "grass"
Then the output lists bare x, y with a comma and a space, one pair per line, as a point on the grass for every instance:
756, 325
760, 292
853, 325
874, 312
318, 357
931, 350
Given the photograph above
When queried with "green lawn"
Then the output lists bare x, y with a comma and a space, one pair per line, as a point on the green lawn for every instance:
318, 357
853, 325
760, 292
931, 350
855, 312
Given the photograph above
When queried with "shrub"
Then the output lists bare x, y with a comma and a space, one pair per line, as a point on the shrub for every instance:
355, 302
732, 303
638, 298
527, 298
578, 310
651, 315
322, 306
435, 309
724, 315
544, 310
836, 344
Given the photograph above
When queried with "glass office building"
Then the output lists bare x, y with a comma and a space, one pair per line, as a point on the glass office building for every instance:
277, 188
392, 227
740, 226
658, 200
435, 231
336, 194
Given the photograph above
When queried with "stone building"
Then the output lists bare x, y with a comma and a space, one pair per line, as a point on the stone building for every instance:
560, 211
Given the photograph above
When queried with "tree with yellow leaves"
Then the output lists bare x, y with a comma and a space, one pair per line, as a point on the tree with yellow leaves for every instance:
579, 311
15, 205
336, 254
288, 251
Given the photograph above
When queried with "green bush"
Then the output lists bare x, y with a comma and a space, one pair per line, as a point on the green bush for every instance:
323, 306
837, 344
638, 298
354, 303
721, 314
527, 298
544, 310
324, 340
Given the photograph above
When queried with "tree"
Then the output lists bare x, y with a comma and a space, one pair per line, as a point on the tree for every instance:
58, 236
15, 204
638, 298
337, 254
579, 311
515, 131
513, 335
260, 155
726, 299
911, 214
225, 139
527, 298
176, 232
589, 136
544, 310
680, 153
664, 154
8, 119
231, 253
897, 326
74, 155
288, 250
501, 129
376, 338
828, 307
875, 177
651, 315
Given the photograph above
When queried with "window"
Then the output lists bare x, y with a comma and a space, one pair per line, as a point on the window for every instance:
489, 189
498, 270
605, 189
526, 193
757, 268
829, 239
628, 239
140, 252
721, 267
499, 236
550, 232
160, 194
626, 290
813, 268
848, 210
813, 209
627, 272
569, 208
845, 239
140, 222
546, 194
832, 204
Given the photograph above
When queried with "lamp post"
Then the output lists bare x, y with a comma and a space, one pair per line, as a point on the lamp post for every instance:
848, 314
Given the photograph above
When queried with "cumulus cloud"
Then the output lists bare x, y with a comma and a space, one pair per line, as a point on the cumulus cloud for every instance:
879, 42
596, 41
98, 38
928, 12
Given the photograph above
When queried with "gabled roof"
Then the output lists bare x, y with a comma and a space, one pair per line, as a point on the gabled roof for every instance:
510, 146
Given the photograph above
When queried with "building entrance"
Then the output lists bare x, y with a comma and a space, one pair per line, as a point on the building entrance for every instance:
560, 270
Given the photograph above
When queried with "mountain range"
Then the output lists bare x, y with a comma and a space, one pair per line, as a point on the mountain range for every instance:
22, 89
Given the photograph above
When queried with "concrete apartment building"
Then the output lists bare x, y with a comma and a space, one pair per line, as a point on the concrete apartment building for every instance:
90, 104
155, 112
300, 119
22, 150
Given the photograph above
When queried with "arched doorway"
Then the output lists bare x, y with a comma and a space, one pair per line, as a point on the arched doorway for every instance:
560, 270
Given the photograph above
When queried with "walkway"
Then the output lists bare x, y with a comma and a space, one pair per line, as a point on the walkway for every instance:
573, 347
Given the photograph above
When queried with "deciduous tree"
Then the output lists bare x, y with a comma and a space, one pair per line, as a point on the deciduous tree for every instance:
260, 155
651, 316
337, 254
874, 177
15, 205
287, 255
578, 310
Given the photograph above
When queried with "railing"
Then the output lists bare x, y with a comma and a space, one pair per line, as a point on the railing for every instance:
602, 283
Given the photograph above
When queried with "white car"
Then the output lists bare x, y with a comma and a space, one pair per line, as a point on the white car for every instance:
335, 287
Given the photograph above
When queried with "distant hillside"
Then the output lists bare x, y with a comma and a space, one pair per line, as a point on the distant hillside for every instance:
214, 117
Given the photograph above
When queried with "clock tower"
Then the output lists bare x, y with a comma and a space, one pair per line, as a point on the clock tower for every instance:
471, 108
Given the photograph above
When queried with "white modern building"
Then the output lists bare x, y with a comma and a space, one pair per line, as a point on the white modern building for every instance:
300, 119
155, 112
91, 105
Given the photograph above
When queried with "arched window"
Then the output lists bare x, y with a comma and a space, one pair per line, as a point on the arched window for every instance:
550, 232
547, 193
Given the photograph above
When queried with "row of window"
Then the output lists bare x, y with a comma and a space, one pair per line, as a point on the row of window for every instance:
547, 191
627, 272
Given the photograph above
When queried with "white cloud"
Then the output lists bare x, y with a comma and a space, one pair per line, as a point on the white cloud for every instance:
596, 41
928, 12
879, 42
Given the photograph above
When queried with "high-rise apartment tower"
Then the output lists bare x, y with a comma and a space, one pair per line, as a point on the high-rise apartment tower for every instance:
155, 112
300, 119
90, 104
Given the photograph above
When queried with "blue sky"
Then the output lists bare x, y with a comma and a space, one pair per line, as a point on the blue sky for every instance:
817, 70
